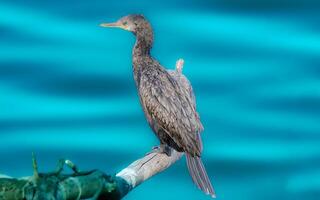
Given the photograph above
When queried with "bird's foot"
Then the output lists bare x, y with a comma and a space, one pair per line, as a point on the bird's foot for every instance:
162, 148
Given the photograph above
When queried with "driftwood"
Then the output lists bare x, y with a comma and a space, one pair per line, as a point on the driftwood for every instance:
84, 185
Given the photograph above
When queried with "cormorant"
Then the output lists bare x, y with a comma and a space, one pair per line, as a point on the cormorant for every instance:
167, 100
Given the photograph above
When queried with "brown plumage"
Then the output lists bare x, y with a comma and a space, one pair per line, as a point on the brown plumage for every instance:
167, 100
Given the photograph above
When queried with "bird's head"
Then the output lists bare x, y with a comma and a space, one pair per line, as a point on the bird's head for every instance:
132, 23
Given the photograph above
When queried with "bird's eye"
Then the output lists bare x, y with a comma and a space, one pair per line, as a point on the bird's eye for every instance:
125, 23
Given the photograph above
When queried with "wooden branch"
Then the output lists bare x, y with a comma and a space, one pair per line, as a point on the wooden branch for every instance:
84, 185
148, 166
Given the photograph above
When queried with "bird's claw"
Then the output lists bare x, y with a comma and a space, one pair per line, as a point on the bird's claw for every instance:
162, 148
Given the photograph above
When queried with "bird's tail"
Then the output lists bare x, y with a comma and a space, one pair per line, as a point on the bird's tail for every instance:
199, 174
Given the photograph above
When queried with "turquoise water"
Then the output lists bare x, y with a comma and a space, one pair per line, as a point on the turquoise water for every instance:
67, 91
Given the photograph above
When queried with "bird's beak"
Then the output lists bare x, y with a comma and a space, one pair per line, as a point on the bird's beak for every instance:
114, 25
109, 25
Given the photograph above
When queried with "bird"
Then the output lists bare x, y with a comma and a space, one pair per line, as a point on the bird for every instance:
167, 100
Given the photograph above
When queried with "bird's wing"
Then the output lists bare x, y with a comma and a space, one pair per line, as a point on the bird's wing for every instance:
186, 88
172, 109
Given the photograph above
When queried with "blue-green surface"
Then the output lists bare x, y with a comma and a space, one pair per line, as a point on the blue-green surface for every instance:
66, 90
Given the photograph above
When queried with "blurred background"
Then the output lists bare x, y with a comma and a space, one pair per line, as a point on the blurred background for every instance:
67, 91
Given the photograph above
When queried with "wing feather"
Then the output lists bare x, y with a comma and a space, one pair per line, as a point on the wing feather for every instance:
172, 109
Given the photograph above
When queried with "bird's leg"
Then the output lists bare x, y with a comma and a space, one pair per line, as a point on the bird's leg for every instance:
179, 65
162, 148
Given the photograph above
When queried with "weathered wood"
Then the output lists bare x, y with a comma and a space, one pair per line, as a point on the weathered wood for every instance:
84, 185
148, 166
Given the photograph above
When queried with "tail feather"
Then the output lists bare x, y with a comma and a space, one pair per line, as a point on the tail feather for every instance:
199, 175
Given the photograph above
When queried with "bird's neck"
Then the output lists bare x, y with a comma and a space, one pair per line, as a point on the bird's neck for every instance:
143, 45
141, 53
